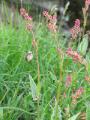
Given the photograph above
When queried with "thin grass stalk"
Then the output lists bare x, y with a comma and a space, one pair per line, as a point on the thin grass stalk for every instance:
38, 74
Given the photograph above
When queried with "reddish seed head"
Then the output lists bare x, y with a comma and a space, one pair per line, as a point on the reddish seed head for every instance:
68, 80
52, 21
49, 17
79, 92
77, 22
25, 14
87, 78
30, 18
77, 95
52, 27
74, 55
76, 29
69, 51
29, 27
54, 17
26, 17
22, 11
45, 13
64, 95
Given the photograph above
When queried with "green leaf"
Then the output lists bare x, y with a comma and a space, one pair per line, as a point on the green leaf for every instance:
1, 113
33, 88
82, 47
53, 77
74, 117
66, 7
88, 68
88, 111
56, 112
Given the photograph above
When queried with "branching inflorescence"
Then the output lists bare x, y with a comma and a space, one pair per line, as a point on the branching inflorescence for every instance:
52, 19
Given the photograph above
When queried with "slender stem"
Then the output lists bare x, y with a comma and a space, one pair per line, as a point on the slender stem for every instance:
38, 72
85, 22
37, 59
18, 109
58, 98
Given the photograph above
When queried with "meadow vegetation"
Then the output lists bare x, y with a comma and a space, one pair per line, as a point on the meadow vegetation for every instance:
44, 75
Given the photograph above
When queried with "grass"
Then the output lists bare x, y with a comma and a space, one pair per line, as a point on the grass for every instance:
22, 96
14, 74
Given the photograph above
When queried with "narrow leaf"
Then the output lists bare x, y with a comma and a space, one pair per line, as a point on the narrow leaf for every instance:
56, 112
82, 48
74, 117
1, 113
88, 111
33, 88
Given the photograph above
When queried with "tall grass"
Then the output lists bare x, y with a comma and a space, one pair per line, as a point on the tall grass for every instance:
19, 78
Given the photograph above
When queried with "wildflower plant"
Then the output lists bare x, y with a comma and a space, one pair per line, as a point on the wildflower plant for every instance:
52, 20
29, 56
28, 19
40, 78
76, 29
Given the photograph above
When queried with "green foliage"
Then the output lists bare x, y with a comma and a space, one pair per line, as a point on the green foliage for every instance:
74, 117
21, 95
88, 111
33, 88
1, 113
82, 48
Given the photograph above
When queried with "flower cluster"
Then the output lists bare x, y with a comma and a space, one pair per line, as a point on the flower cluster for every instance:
68, 80
52, 19
29, 26
87, 78
75, 29
77, 95
25, 15
74, 55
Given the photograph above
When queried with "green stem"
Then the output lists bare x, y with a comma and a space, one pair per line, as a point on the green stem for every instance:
58, 98
38, 74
